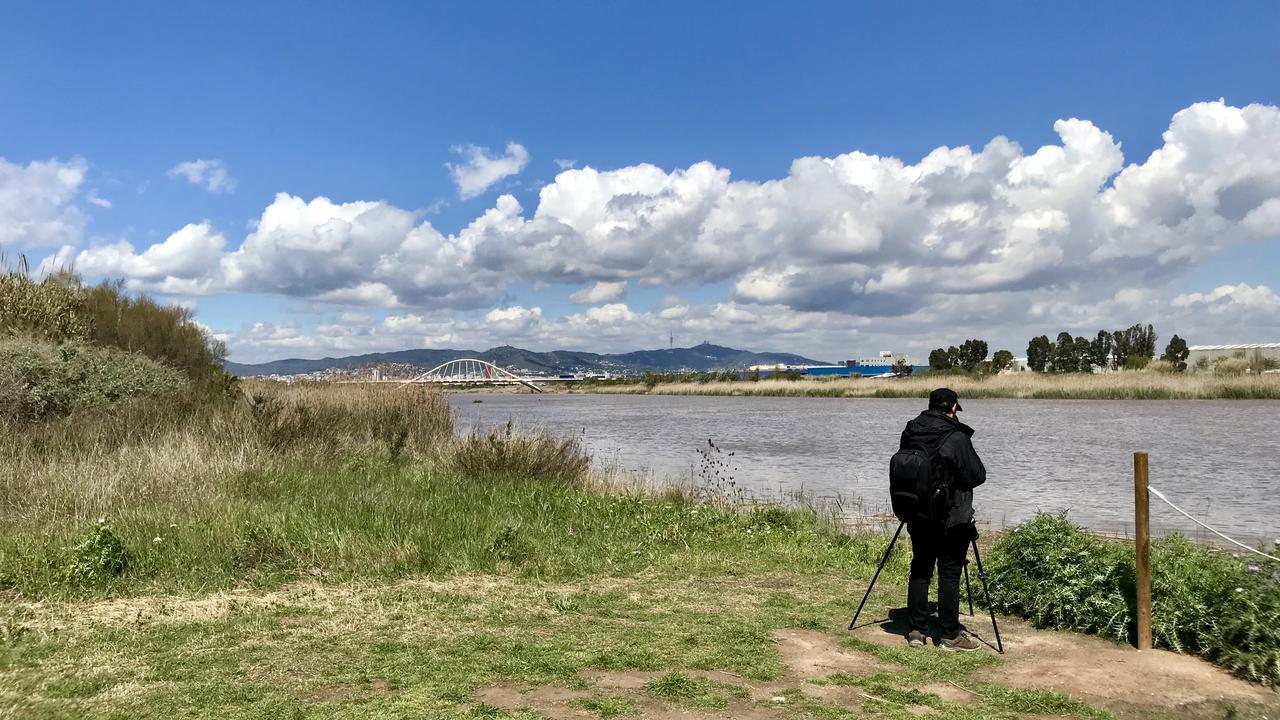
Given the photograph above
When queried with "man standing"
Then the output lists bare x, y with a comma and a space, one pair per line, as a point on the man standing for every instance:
943, 541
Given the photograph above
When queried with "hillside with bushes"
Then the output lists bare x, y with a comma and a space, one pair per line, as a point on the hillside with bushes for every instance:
67, 346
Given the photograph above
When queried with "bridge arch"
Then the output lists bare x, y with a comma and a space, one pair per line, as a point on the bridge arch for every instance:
471, 371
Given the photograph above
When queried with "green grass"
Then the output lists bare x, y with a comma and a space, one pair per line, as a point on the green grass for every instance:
687, 691
425, 647
370, 518
608, 707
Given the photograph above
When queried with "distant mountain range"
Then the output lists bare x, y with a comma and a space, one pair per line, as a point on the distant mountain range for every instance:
702, 357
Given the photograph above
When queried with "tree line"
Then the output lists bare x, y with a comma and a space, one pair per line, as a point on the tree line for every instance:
1132, 348
970, 357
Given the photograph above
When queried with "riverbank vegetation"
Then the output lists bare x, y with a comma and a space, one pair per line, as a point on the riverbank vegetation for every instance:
320, 549
1215, 604
1148, 384
195, 546
313, 549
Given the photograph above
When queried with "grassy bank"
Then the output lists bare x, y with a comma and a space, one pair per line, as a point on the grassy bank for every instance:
343, 482
1123, 385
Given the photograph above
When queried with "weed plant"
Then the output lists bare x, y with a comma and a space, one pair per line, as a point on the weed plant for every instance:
1204, 601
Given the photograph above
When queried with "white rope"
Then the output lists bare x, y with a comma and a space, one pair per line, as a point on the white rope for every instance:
1160, 495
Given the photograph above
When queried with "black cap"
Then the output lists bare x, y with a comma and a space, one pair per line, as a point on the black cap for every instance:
943, 399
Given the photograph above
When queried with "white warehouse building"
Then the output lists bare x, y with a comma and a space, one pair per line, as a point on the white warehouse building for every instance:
1213, 352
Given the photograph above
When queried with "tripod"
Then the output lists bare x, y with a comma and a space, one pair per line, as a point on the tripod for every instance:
968, 591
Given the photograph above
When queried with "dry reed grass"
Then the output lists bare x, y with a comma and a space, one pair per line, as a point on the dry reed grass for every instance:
175, 453
1124, 385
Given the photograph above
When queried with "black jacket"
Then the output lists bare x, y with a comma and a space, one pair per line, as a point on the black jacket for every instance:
964, 469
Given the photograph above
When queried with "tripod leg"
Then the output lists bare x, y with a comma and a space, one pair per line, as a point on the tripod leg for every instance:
968, 589
883, 560
986, 590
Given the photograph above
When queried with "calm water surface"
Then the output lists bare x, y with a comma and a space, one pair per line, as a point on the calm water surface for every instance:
1219, 460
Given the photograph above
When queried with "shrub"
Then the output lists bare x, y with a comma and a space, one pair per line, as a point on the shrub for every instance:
1056, 575
505, 453
1204, 601
61, 309
39, 380
1136, 362
1163, 367
1259, 363
167, 333
1231, 367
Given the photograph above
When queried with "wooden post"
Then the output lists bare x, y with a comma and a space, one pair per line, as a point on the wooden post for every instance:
1142, 538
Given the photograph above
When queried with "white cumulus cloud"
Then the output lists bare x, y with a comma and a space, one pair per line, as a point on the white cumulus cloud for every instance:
37, 203
481, 168
212, 175
601, 292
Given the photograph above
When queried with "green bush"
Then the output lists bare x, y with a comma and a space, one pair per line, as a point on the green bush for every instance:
1204, 601
40, 380
1056, 575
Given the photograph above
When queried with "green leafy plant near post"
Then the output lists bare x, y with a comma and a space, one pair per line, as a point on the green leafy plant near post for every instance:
1205, 601
99, 556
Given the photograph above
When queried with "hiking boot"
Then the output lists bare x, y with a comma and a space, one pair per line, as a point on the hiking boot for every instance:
960, 643
915, 638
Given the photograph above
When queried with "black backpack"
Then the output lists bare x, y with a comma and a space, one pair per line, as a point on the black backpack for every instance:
918, 488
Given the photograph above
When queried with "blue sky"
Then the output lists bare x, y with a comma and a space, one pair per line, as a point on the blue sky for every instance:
369, 103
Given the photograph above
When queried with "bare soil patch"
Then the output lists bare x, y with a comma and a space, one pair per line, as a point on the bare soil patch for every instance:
559, 703
808, 655
1148, 684
812, 655
1131, 684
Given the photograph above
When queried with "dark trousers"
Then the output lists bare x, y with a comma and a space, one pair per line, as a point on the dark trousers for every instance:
931, 545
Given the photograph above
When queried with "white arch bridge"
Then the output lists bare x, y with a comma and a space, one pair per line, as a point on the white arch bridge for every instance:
469, 371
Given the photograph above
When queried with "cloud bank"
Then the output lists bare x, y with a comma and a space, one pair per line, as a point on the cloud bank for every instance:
993, 237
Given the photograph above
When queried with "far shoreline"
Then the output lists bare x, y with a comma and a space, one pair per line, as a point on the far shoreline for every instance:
1124, 385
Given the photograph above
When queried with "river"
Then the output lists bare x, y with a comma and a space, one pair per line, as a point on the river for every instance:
1216, 459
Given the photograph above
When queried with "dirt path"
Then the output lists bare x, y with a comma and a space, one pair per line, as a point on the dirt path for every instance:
1152, 685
